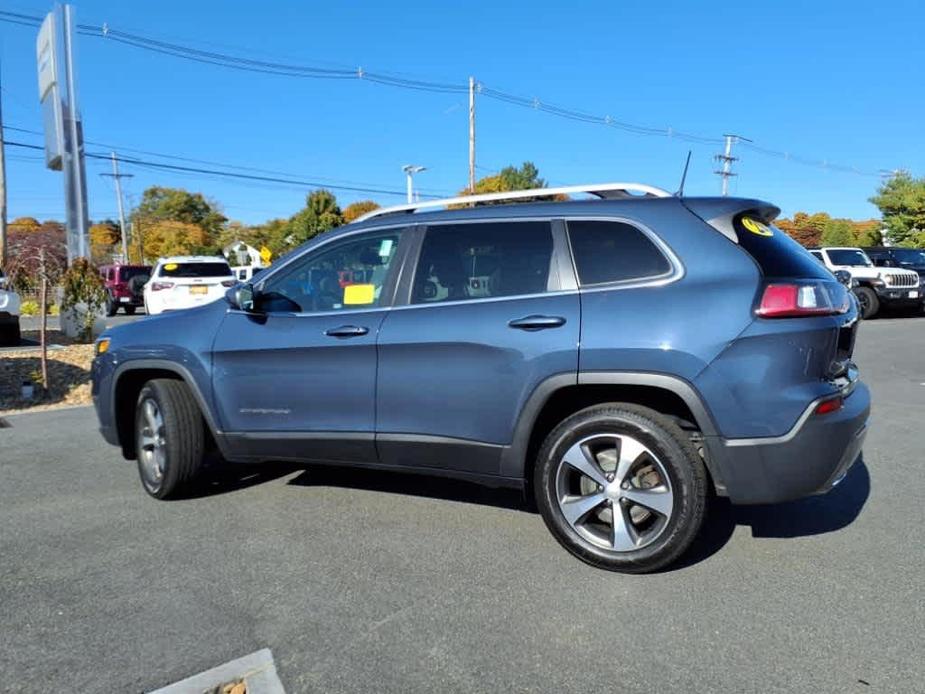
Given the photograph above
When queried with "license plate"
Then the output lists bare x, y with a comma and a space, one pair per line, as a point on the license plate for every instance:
198, 290
913, 295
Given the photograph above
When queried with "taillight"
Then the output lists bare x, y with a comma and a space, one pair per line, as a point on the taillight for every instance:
794, 300
158, 286
229, 283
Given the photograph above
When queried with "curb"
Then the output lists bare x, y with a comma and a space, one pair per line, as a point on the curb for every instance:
257, 670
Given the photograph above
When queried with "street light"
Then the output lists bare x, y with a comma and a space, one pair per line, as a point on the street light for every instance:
410, 170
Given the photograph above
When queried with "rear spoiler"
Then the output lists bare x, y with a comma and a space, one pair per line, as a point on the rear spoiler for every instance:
719, 213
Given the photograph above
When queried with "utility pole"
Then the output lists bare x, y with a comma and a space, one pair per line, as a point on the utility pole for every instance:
118, 179
472, 134
410, 170
2, 191
726, 158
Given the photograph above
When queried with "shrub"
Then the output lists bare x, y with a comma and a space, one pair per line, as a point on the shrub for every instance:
29, 308
84, 294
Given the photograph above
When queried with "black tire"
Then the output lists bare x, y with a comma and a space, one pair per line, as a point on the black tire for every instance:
868, 302
111, 306
665, 439
182, 435
129, 310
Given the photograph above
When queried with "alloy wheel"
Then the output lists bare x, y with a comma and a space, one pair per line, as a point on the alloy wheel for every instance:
614, 492
153, 452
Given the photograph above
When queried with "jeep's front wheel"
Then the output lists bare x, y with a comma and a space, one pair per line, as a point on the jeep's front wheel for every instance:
169, 437
867, 301
621, 487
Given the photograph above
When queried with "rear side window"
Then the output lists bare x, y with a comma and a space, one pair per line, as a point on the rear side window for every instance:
483, 260
195, 270
777, 254
614, 252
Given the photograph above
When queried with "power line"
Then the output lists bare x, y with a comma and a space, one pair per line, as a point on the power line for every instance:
228, 174
228, 60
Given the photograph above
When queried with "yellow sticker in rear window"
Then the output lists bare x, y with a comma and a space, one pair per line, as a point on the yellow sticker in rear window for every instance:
359, 294
171, 266
756, 227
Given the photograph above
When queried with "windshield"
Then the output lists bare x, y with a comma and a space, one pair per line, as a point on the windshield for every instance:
909, 256
849, 256
217, 269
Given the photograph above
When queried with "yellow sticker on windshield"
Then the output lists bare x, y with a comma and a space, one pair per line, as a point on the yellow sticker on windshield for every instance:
756, 227
171, 266
359, 294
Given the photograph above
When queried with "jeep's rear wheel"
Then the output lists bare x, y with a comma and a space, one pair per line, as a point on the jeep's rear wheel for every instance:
111, 307
621, 487
169, 437
868, 301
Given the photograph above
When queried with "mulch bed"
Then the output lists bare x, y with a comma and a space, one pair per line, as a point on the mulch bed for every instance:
68, 375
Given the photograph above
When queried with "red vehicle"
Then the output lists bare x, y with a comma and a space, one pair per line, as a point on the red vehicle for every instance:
124, 285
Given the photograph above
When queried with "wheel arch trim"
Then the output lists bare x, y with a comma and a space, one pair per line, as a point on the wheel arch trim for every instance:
513, 461
185, 375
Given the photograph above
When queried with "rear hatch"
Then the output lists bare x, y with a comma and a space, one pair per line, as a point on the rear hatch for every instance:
190, 283
795, 287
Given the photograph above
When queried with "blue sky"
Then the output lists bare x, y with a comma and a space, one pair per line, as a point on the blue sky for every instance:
835, 81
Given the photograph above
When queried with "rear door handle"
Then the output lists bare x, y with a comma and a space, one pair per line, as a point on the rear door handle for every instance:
346, 331
532, 323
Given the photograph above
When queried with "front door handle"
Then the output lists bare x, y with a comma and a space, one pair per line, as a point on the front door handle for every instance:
532, 323
346, 331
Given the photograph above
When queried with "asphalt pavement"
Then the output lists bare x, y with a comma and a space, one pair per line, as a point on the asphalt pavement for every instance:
362, 581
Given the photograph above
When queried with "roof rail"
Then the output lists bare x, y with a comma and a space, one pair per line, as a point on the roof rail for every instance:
601, 190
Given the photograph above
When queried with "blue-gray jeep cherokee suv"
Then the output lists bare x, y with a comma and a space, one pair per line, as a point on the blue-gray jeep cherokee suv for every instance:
620, 358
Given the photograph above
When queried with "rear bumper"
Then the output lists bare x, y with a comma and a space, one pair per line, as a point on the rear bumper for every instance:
7, 318
810, 459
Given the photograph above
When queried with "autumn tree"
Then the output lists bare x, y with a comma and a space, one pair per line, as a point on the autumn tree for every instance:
25, 248
178, 205
901, 200
524, 177
23, 225
168, 237
321, 213
355, 210
838, 232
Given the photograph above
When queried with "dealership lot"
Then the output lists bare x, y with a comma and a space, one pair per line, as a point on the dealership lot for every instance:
359, 580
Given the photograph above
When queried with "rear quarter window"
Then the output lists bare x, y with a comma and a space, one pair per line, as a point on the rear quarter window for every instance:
776, 254
614, 252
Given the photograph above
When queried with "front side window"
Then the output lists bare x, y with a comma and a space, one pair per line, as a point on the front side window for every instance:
614, 252
460, 262
342, 276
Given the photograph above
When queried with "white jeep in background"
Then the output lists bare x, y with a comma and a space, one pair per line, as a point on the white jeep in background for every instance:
877, 286
9, 314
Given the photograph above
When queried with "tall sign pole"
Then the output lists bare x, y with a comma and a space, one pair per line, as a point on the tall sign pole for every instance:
63, 129
2, 191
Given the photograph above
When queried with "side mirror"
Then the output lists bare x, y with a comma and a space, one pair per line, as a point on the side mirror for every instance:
843, 276
241, 296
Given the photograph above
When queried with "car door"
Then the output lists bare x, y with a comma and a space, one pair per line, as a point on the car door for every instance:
295, 379
490, 311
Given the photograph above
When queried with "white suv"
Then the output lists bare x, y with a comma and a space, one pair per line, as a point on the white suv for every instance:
876, 285
9, 313
186, 281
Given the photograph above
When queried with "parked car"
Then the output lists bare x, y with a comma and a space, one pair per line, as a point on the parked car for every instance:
9, 313
245, 273
908, 258
894, 287
560, 348
185, 281
124, 287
